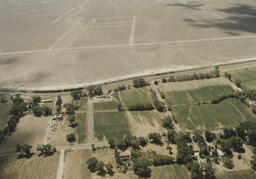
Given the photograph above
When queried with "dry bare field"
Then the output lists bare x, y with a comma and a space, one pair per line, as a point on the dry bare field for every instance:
35, 167
30, 130
54, 44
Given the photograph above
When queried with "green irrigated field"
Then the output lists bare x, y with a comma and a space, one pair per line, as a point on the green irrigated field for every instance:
110, 125
4, 114
81, 129
246, 77
249, 174
170, 172
203, 94
212, 116
104, 106
133, 97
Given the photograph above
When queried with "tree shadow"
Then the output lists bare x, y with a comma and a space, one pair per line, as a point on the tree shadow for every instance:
189, 5
241, 18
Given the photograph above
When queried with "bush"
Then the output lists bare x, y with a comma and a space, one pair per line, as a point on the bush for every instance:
46, 110
228, 162
156, 82
76, 94
71, 137
95, 91
164, 80
140, 82
167, 122
159, 105
155, 138
37, 110
159, 160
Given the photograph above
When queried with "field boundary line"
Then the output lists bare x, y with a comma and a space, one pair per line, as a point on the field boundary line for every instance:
60, 38
61, 16
134, 19
113, 17
125, 45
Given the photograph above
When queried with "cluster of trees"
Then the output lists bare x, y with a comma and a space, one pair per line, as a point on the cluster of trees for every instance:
40, 110
72, 121
24, 150
16, 112
120, 88
94, 165
155, 138
196, 76
58, 104
46, 150
167, 122
158, 104
223, 97
198, 138
140, 82
128, 141
77, 94
95, 91
70, 108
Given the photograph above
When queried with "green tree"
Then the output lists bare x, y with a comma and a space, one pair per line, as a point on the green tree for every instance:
155, 138
141, 167
36, 100
46, 150
228, 162
76, 95
37, 110
46, 110
209, 136
100, 168
109, 168
140, 82
167, 122
71, 137
70, 108
253, 162
91, 164
59, 100
24, 150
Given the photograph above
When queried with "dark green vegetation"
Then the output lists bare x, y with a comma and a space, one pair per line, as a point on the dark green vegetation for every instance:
204, 94
112, 125
104, 106
250, 174
81, 129
211, 116
246, 77
137, 99
4, 114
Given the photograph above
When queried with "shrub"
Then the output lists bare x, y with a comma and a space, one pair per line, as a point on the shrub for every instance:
140, 82
37, 110
71, 137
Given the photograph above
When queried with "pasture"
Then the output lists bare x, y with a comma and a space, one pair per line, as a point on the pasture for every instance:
81, 129
204, 94
247, 174
132, 97
100, 106
35, 167
246, 77
170, 172
63, 43
228, 113
109, 125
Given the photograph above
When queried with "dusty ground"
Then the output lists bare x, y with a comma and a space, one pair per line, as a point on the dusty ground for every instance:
76, 43
30, 130
35, 167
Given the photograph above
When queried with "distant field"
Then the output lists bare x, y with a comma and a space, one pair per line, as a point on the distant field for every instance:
144, 122
99, 106
203, 94
132, 97
4, 114
250, 174
35, 167
247, 78
110, 125
170, 172
81, 129
211, 116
